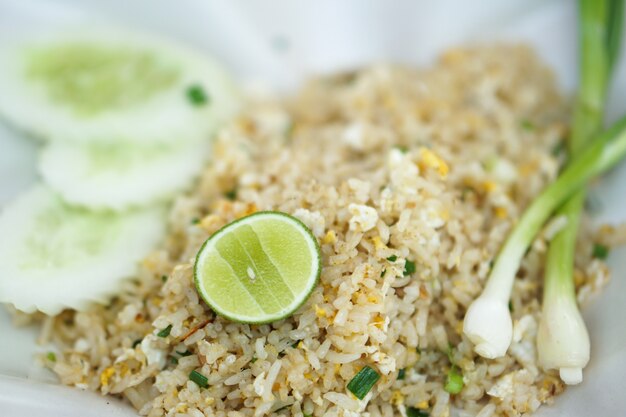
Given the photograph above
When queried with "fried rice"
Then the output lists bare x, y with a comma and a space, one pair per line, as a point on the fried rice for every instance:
410, 179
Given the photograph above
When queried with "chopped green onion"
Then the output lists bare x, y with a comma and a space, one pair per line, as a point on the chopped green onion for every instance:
165, 332
231, 195
383, 272
186, 353
402, 148
511, 306
454, 380
558, 149
164, 278
195, 220
392, 258
363, 382
197, 95
415, 412
295, 344
174, 360
201, 380
600, 251
450, 353
136, 342
409, 268
401, 374
254, 359
527, 125
51, 356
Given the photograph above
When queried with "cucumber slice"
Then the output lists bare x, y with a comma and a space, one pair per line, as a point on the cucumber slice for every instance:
116, 176
112, 85
54, 256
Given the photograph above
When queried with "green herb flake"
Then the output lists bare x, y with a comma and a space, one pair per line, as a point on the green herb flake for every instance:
454, 380
295, 344
165, 332
600, 251
186, 353
173, 360
254, 359
363, 382
201, 380
511, 306
409, 268
383, 272
51, 356
136, 342
415, 412
392, 258
164, 278
197, 96
401, 374
195, 220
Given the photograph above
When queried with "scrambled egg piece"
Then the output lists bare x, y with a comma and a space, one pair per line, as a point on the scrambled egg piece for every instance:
432, 160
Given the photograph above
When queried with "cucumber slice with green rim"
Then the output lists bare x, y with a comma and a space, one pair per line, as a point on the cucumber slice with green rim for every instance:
116, 176
112, 85
258, 269
54, 256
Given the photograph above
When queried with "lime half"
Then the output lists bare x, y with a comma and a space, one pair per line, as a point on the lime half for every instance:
258, 269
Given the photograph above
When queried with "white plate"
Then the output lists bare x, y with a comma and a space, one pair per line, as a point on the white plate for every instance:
280, 42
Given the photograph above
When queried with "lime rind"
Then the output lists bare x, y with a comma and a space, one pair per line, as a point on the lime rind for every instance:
255, 315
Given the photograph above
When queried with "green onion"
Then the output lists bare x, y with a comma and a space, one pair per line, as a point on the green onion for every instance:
409, 268
201, 380
401, 148
295, 344
51, 356
136, 342
527, 125
165, 332
488, 320
195, 220
562, 337
415, 412
174, 360
454, 380
600, 251
392, 258
164, 278
197, 95
231, 195
558, 149
383, 272
363, 382
401, 374
254, 359
186, 353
